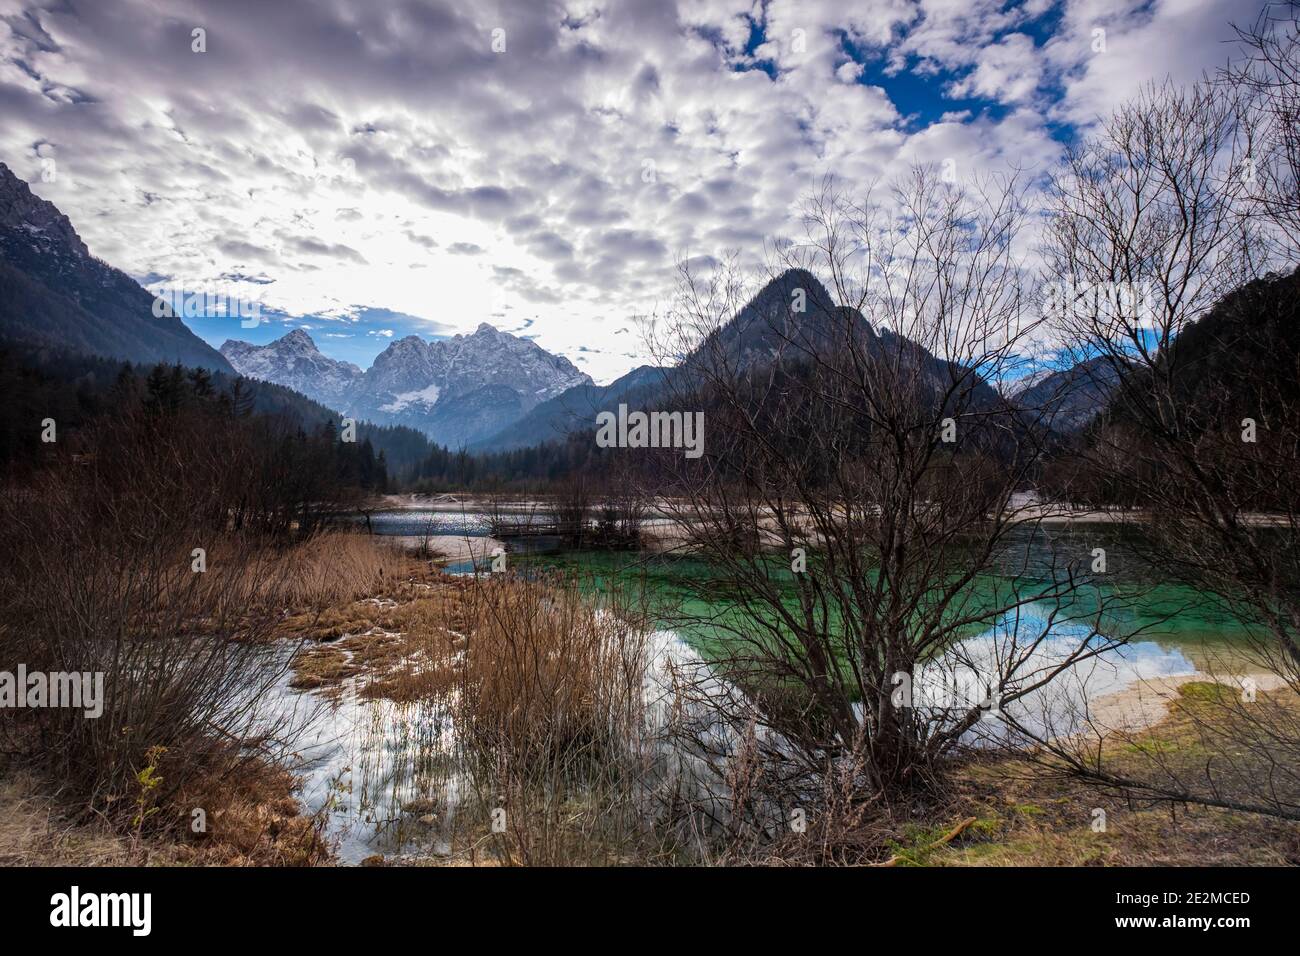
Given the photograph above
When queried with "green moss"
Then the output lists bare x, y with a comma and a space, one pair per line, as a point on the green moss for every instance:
1206, 691
915, 849
1151, 747
1010, 852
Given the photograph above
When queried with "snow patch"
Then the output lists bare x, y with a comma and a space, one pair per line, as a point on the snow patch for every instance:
425, 396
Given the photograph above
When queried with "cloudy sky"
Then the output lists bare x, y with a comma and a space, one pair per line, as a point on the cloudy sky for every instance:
372, 169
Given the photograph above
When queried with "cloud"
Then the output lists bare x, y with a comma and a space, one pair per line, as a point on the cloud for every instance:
240, 251
311, 246
427, 242
348, 151
1008, 71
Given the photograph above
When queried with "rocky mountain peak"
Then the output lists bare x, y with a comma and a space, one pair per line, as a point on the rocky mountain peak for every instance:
57, 293
456, 390
300, 339
294, 360
23, 211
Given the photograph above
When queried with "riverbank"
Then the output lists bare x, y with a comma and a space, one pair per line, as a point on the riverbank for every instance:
388, 667
1146, 703
451, 548
1026, 815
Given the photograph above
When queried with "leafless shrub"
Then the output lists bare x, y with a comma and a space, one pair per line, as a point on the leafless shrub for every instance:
859, 476
123, 562
551, 727
1156, 202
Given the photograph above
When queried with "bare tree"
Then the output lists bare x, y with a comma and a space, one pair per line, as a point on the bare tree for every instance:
859, 498
1153, 238
120, 561
1267, 80
572, 508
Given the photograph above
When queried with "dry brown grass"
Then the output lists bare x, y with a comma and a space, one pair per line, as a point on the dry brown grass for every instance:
398, 648
32, 835
253, 821
544, 693
306, 580
244, 601
552, 731
534, 664
544, 673
334, 568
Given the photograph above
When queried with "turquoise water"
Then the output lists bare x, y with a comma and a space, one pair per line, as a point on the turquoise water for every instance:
1169, 629
1162, 620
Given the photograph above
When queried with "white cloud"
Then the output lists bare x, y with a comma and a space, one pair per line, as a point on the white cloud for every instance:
1008, 71
364, 154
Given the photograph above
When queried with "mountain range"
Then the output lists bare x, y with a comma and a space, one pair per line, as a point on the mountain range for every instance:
1068, 399
458, 391
487, 390
53, 292
574, 410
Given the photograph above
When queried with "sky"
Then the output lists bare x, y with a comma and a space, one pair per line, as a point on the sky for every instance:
368, 170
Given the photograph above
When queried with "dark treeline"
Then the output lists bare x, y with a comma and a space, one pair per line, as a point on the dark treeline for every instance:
232, 467
538, 468
1221, 401
153, 542
74, 390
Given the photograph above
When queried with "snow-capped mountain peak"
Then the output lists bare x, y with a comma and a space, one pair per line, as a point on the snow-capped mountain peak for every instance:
294, 361
456, 390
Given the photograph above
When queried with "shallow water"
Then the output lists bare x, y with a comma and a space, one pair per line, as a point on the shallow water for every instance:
1039, 646
360, 761
364, 760
473, 524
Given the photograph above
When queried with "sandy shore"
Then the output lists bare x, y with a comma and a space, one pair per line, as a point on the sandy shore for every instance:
1146, 702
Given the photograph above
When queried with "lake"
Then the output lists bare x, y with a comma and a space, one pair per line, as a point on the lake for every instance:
366, 760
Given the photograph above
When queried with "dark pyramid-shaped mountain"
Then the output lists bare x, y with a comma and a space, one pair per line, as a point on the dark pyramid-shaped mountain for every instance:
53, 292
789, 321
792, 316
794, 321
